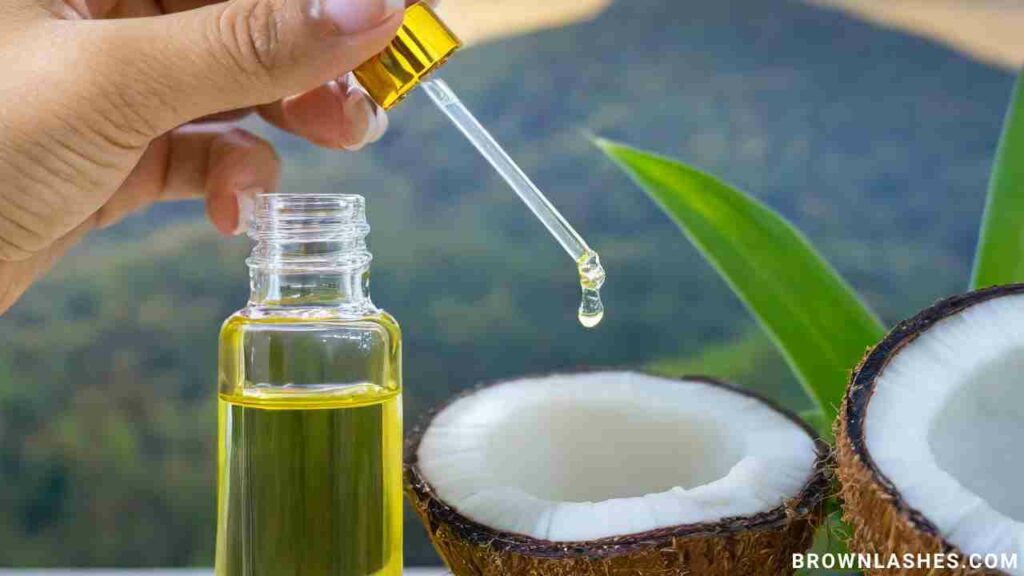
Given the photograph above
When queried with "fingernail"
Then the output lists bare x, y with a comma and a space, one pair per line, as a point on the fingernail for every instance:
358, 102
246, 208
381, 120
352, 16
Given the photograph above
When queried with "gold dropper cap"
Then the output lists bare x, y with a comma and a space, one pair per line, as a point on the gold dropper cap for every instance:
422, 45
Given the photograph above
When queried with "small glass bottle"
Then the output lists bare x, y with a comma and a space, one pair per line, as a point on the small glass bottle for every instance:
310, 425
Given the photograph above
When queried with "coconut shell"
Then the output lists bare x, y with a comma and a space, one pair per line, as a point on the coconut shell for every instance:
741, 546
882, 522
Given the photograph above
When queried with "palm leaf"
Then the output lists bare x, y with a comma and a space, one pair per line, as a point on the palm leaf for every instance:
1000, 255
812, 315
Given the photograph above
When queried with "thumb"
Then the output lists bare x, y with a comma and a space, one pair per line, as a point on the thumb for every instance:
168, 70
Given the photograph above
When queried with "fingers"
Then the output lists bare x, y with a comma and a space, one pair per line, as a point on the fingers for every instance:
227, 165
239, 167
170, 6
170, 69
338, 114
16, 277
144, 185
229, 116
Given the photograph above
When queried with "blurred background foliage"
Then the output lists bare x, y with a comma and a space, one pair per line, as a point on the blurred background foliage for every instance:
876, 144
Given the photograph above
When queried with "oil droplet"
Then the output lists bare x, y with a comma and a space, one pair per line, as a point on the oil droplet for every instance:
591, 309
591, 279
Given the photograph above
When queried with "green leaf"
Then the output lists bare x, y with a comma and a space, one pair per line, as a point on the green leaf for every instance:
816, 419
812, 315
1000, 255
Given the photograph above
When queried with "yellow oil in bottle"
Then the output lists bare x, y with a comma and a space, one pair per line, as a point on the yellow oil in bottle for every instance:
309, 475
312, 490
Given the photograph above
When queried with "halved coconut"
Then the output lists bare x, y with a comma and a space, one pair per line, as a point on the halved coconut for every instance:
931, 436
615, 473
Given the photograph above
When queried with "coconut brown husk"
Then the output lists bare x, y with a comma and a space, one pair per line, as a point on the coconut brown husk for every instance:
757, 545
883, 524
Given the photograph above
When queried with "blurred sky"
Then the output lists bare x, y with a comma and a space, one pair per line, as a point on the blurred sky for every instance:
988, 30
478, 21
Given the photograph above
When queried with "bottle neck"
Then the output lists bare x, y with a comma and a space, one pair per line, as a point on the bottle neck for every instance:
310, 252
344, 289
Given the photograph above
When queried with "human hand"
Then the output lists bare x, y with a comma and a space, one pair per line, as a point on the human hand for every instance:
97, 98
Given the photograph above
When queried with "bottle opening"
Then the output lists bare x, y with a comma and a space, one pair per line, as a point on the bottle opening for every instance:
309, 232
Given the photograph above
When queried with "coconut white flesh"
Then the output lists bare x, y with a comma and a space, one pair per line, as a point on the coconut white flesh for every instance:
946, 426
595, 455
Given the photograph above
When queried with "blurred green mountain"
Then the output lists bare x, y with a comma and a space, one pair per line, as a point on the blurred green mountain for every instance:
876, 144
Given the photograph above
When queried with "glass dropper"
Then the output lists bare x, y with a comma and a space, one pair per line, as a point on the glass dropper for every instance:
423, 44
587, 262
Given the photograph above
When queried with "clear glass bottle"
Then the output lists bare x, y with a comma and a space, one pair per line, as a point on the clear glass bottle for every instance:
310, 424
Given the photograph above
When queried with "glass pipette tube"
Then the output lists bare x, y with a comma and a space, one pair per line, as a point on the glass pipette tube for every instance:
588, 263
